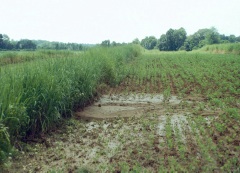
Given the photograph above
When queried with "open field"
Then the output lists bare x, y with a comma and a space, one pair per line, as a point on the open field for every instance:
163, 112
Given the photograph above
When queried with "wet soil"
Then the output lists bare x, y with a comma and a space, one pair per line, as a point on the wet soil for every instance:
118, 133
133, 105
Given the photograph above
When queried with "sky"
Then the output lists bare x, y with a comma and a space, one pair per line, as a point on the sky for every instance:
92, 21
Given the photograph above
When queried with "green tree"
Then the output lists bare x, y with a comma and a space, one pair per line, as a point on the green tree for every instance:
163, 45
113, 43
105, 43
212, 36
149, 42
26, 44
136, 41
232, 38
5, 42
1, 41
172, 40
180, 36
238, 39
202, 37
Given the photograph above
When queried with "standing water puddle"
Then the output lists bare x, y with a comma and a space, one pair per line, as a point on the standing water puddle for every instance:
123, 105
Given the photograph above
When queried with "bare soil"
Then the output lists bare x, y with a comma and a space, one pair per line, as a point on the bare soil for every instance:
119, 133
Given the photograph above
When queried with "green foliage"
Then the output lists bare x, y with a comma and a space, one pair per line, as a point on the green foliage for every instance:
202, 37
149, 42
136, 41
233, 113
229, 39
36, 95
172, 40
26, 44
220, 127
5, 146
106, 43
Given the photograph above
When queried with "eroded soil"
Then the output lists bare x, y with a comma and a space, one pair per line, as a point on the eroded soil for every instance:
122, 133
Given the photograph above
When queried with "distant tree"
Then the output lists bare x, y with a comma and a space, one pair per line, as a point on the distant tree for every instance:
136, 41
232, 38
1, 41
149, 42
212, 36
26, 44
57, 47
163, 44
105, 43
113, 43
5, 43
180, 36
223, 38
5, 37
172, 40
238, 39
202, 37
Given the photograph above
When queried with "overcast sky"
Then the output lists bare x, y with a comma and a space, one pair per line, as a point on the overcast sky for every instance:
92, 21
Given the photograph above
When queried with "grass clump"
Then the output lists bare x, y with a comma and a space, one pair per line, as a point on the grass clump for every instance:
233, 48
35, 95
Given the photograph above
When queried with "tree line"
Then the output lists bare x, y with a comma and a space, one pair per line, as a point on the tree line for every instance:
7, 44
177, 39
26, 44
172, 40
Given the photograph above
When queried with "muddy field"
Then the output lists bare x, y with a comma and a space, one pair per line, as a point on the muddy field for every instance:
123, 133
170, 114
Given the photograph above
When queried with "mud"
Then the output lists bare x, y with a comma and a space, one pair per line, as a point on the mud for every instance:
119, 129
125, 106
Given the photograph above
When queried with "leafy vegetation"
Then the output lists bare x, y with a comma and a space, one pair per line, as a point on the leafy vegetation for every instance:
26, 44
177, 39
149, 42
173, 40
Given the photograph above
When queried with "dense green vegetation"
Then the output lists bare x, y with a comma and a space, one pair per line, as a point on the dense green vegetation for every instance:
177, 39
198, 134
26, 44
233, 48
14, 57
172, 40
35, 95
40, 88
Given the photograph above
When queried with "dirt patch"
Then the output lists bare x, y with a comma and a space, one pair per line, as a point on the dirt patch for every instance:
109, 111
140, 133
125, 106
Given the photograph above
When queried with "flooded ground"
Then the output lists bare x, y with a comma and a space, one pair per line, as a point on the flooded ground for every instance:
120, 133
112, 106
